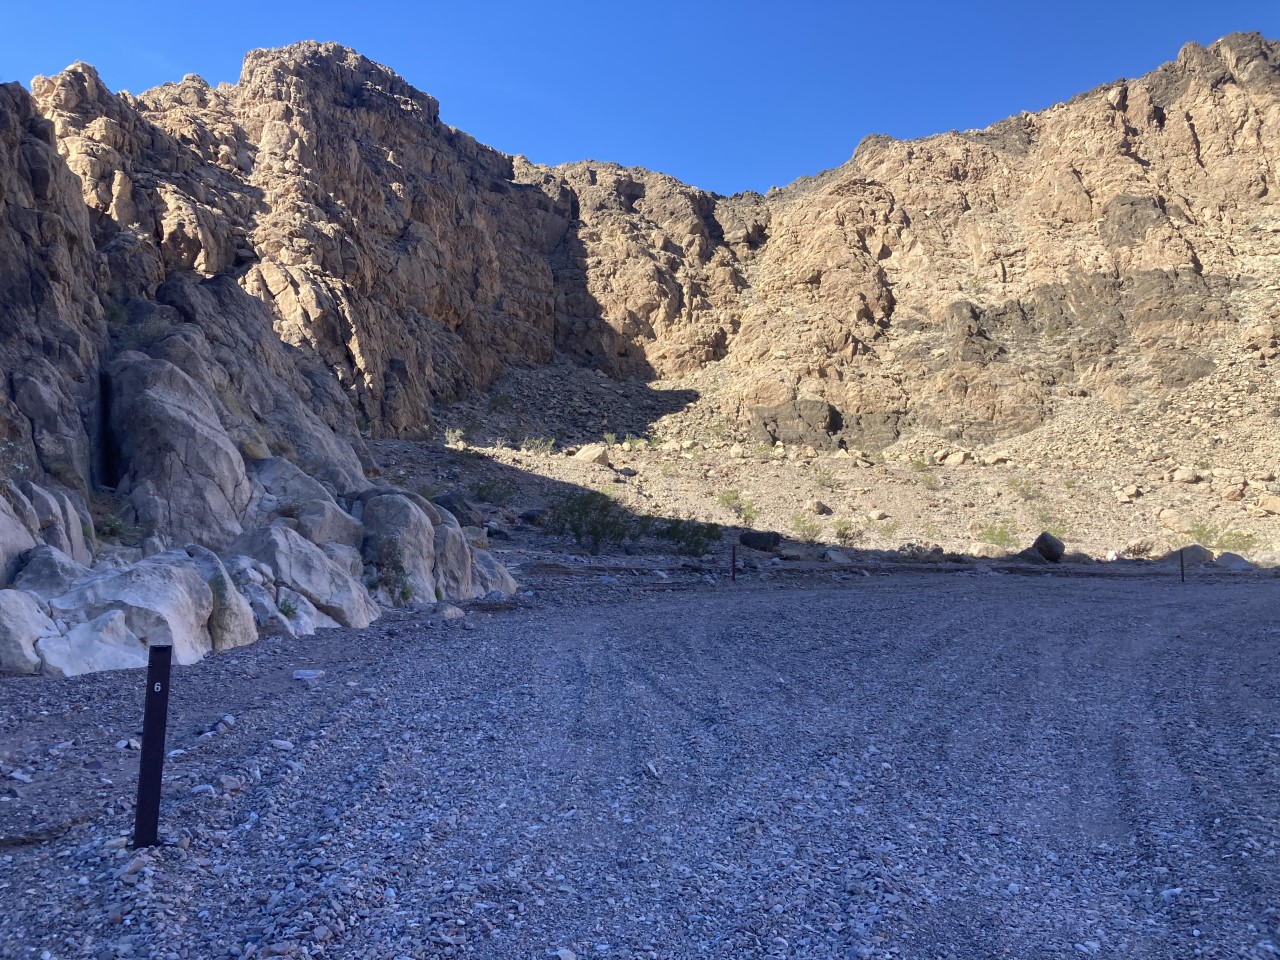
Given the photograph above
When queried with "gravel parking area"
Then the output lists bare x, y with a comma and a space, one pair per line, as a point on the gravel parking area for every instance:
916, 766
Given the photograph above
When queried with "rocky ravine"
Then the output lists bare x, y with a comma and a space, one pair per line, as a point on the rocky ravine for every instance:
210, 298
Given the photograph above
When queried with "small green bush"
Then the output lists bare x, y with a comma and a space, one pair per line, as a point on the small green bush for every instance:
847, 533
589, 517
538, 445
690, 536
493, 491
288, 608
805, 527
1001, 534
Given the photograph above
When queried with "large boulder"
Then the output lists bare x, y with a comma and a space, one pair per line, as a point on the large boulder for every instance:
489, 576
104, 643
453, 561
48, 572
22, 623
164, 599
59, 522
399, 539
302, 566
231, 623
323, 522
15, 541
1049, 547
185, 476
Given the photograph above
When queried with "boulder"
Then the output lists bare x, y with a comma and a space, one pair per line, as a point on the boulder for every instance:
452, 562
1234, 562
1049, 547
596, 453
231, 622
302, 566
164, 599
278, 478
23, 622
23, 509
400, 540
303, 617
267, 616
489, 576
987, 551
323, 522
104, 643
186, 478
15, 541
466, 512
59, 522
348, 558
48, 572
760, 539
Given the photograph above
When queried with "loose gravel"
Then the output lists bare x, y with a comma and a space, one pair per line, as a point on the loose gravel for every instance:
918, 765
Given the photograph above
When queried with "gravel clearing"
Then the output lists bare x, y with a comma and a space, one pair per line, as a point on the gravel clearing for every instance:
916, 766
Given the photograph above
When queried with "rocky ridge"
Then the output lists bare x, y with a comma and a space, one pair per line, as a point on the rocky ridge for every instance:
212, 298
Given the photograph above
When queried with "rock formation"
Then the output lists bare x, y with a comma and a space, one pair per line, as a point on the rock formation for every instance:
210, 298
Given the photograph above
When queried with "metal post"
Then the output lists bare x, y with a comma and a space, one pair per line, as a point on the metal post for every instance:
733, 562
146, 819
1182, 565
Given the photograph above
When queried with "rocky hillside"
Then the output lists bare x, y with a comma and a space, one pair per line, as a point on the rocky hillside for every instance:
212, 298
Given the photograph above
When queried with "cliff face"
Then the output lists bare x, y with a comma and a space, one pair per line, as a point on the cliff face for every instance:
960, 284
317, 249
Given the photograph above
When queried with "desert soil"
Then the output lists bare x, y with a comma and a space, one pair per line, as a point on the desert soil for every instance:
927, 765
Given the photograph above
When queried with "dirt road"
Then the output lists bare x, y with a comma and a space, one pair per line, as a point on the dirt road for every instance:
919, 766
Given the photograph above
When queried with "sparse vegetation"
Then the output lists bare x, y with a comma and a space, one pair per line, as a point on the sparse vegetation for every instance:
806, 527
1024, 488
497, 491
539, 445
288, 608
1001, 534
610, 440
847, 533
590, 517
691, 536
1222, 538
824, 477
454, 436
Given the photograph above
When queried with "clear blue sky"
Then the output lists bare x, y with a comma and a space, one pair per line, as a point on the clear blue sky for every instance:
725, 95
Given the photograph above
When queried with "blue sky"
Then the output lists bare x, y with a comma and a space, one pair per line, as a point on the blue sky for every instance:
727, 96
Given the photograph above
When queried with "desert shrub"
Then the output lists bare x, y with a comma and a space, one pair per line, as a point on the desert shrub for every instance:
454, 436
502, 403
497, 491
730, 499
288, 608
589, 517
539, 445
824, 478
805, 527
690, 536
847, 533
1222, 538
1001, 534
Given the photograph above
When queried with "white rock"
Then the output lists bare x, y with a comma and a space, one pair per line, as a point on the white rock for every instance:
302, 566
22, 624
104, 643
164, 598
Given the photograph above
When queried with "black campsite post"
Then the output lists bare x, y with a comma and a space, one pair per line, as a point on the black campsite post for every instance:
146, 820
1182, 566
733, 562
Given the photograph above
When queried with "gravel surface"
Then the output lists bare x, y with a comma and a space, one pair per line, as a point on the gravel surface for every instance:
918, 765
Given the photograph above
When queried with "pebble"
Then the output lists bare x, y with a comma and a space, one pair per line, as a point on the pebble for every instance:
308, 674
282, 744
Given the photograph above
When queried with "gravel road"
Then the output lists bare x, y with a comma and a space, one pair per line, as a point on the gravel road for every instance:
916, 766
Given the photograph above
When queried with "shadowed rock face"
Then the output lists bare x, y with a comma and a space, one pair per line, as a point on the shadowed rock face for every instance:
323, 257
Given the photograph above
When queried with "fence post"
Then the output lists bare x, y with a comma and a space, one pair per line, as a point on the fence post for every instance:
155, 718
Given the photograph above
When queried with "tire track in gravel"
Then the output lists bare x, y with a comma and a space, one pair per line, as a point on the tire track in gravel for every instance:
941, 766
